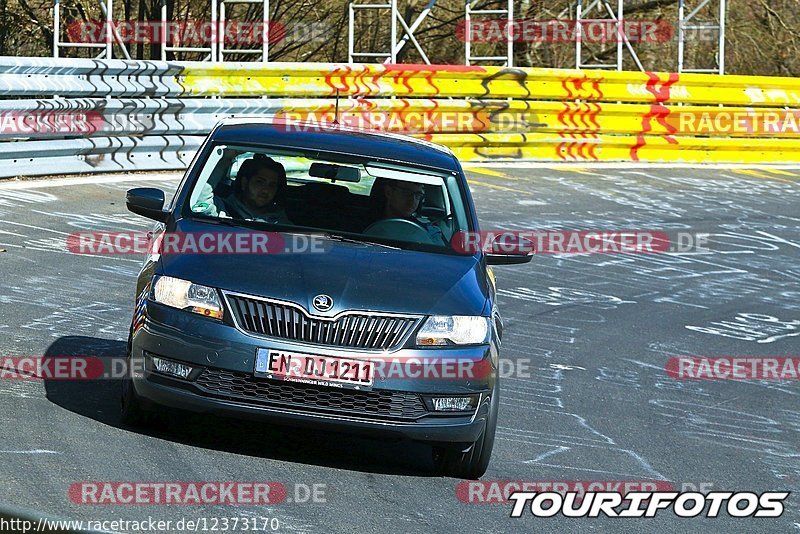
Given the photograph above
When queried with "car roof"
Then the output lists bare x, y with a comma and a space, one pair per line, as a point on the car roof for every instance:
335, 138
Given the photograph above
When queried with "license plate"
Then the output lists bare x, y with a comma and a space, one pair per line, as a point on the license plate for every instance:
312, 369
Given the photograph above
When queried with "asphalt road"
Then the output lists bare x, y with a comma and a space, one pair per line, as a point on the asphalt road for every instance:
585, 392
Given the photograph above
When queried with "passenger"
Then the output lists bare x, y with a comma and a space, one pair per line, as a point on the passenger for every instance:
259, 183
400, 200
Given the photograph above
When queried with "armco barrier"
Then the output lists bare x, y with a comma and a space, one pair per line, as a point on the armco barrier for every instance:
64, 116
196, 116
97, 154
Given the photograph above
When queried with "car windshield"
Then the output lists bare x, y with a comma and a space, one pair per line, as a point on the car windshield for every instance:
351, 197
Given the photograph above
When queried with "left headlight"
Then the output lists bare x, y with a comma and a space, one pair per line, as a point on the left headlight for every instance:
185, 295
454, 330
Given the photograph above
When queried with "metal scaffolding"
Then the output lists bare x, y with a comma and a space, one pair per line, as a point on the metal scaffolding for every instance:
109, 37
603, 11
395, 45
698, 31
700, 22
264, 51
210, 50
352, 55
508, 13
216, 51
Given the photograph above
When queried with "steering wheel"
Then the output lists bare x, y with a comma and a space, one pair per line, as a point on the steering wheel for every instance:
400, 229
435, 214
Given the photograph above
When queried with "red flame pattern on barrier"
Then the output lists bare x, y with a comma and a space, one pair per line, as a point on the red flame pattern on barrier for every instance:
658, 111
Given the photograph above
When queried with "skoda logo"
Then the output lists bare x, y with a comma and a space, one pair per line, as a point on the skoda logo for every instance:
322, 303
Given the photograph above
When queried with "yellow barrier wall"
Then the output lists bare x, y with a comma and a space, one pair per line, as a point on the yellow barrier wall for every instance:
539, 114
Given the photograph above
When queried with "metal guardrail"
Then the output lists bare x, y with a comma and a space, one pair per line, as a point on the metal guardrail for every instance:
91, 78
100, 117
33, 77
196, 116
458, 81
99, 154
83, 115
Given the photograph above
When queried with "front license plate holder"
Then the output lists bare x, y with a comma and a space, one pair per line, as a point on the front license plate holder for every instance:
328, 371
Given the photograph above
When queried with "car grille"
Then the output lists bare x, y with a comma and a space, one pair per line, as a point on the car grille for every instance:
353, 329
379, 405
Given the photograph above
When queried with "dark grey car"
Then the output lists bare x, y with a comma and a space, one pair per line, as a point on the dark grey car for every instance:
357, 319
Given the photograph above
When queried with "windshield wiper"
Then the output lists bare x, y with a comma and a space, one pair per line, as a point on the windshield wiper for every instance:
344, 239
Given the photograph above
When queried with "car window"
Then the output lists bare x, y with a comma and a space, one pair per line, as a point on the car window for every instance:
368, 200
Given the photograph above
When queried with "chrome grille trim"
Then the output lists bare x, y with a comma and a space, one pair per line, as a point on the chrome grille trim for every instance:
354, 329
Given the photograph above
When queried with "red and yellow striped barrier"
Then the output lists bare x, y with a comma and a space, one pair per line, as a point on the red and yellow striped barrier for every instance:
538, 114
324, 79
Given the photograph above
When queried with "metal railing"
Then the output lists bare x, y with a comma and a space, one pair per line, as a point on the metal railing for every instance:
62, 116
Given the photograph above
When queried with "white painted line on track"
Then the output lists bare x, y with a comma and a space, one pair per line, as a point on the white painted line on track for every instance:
34, 451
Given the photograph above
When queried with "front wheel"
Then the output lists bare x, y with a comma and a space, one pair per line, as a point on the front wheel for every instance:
133, 412
470, 462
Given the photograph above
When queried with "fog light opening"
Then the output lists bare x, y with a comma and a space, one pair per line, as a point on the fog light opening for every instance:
171, 368
455, 404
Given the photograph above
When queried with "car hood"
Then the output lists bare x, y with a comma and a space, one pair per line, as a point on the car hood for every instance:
356, 276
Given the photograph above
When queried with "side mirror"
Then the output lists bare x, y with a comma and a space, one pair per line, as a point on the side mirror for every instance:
508, 259
509, 249
147, 202
499, 247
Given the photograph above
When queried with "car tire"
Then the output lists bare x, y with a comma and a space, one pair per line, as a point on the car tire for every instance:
471, 461
133, 412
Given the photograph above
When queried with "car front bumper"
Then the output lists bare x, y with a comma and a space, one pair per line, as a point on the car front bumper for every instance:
223, 382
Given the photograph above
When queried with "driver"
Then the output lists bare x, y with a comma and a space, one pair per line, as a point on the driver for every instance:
402, 199
259, 181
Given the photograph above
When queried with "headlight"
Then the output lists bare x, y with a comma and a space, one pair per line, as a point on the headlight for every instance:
454, 330
185, 295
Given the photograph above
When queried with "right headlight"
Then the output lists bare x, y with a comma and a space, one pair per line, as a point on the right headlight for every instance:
454, 330
185, 295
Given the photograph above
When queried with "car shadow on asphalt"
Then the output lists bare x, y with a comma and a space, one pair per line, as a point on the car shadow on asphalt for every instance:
100, 400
